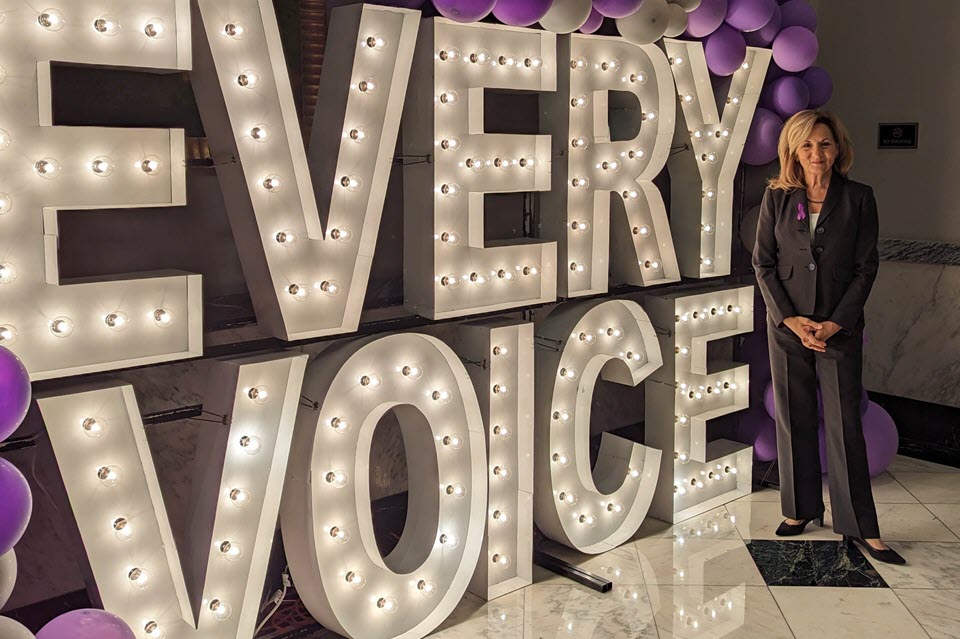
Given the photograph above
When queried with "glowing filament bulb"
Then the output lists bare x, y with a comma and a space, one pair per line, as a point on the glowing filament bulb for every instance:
587, 520
710, 194
631, 194
340, 424
480, 56
534, 62
47, 168
107, 25
221, 610
259, 394
450, 190
650, 115
286, 238
683, 420
735, 100
683, 351
138, 578
450, 54
102, 166
615, 508
683, 458
376, 42
163, 317
449, 238
260, 133
340, 534
501, 472
616, 333
579, 102
6, 203
155, 28
710, 157
336, 478
231, 550
456, 490
475, 164
578, 64
688, 98
633, 473
329, 287
638, 78
450, 144
453, 441
449, 281
677, 60
239, 497
249, 79
271, 183
51, 20
61, 326
341, 234
561, 459
707, 262
449, 540
150, 165
588, 337
653, 265
680, 490
351, 182
8, 335
427, 588
577, 267
568, 374
501, 351
234, 30
562, 416
501, 431
501, 560
367, 86
579, 143
153, 630
370, 381
507, 60
251, 444
388, 605
122, 528
8, 273
613, 166
449, 97
501, 390
504, 163
355, 579
636, 154
501, 517
505, 275
568, 498
610, 65
93, 428
531, 271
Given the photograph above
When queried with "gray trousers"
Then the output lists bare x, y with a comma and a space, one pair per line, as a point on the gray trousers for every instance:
796, 369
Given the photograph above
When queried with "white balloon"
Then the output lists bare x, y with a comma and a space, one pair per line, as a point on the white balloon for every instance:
648, 24
678, 21
688, 5
566, 16
8, 577
10, 629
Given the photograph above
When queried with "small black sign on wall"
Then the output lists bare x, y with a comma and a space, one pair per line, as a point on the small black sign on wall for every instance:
898, 136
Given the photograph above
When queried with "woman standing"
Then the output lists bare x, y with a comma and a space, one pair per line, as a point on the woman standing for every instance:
816, 260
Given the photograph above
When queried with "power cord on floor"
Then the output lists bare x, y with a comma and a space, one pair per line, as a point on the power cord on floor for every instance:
276, 599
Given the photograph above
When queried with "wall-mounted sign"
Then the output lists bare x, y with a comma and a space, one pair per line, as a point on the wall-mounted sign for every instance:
898, 136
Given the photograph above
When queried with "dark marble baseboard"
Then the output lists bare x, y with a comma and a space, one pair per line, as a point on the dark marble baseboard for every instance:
930, 432
919, 252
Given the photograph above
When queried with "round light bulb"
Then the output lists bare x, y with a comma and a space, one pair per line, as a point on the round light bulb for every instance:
221, 610
427, 588
336, 478
239, 497
122, 528
260, 133
501, 517
107, 25
450, 54
299, 292
155, 28
501, 472
579, 226
501, 431
501, 351
271, 183
453, 441
8, 273
562, 415
109, 476
579, 143
449, 541
286, 238
150, 165
340, 534
6, 203
341, 234
441, 395
579, 64
456, 490
501, 390
480, 56
61, 326
376, 42
450, 239
355, 579
234, 30
251, 444
579, 102
5, 139
449, 97
117, 321
93, 427
561, 459
249, 79
8, 335
47, 168
388, 605
370, 381
51, 20
367, 86
616, 333
568, 374
139, 578
450, 144
259, 394
163, 317
153, 630
501, 560
568, 498
231, 550
351, 182
330, 288
534, 62
580, 182
450, 190
340, 424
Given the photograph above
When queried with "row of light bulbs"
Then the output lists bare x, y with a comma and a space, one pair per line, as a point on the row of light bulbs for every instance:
483, 58
50, 168
720, 472
481, 279
703, 314
107, 25
701, 392
63, 326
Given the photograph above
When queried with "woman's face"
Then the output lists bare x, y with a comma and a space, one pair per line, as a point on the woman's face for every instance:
818, 152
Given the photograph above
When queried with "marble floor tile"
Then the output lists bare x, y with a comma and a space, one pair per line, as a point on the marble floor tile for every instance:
762, 494
846, 613
715, 524
813, 563
575, 612
929, 565
886, 490
932, 488
938, 611
911, 522
712, 562
715, 612
949, 514
759, 520
904, 464
620, 565
501, 618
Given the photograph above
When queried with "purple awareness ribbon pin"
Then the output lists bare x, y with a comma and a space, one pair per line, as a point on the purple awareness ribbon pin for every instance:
801, 212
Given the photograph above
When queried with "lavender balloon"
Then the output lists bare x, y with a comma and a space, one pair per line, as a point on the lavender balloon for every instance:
616, 8
820, 83
705, 19
521, 13
761, 146
725, 51
766, 34
749, 15
799, 13
789, 95
593, 22
765, 445
14, 392
795, 49
86, 624
16, 506
464, 10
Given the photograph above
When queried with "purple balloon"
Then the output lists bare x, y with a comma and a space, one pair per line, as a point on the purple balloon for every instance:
795, 49
86, 624
820, 83
706, 18
765, 445
614, 8
14, 393
761, 146
789, 95
593, 22
16, 506
880, 435
521, 13
464, 10
799, 13
725, 51
766, 34
749, 15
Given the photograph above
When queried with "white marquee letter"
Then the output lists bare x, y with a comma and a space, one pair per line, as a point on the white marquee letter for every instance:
597, 170
702, 175
591, 511
450, 270
683, 396
61, 328
306, 280
107, 468
328, 534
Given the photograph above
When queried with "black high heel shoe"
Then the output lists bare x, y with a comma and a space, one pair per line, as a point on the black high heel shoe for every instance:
888, 556
788, 530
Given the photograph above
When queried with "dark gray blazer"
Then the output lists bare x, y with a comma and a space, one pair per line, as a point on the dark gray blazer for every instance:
830, 277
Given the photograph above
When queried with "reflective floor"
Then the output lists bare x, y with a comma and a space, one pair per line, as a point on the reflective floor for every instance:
725, 574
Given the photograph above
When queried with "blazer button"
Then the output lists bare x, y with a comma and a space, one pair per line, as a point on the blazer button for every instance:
819, 230
811, 266
819, 249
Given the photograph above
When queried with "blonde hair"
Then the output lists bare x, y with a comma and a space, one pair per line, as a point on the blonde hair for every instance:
795, 132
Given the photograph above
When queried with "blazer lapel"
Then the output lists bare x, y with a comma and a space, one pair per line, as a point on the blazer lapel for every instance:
834, 191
